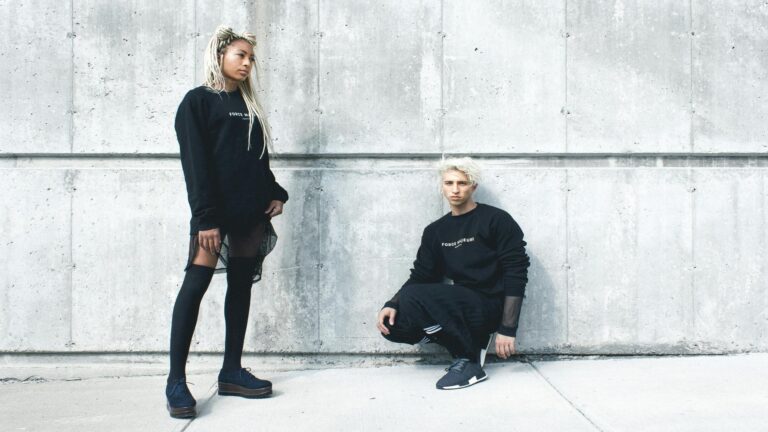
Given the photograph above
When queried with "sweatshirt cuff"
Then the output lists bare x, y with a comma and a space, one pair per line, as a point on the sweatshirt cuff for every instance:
205, 225
279, 193
507, 331
390, 304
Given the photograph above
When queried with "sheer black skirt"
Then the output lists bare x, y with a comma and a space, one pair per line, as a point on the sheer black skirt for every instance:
256, 242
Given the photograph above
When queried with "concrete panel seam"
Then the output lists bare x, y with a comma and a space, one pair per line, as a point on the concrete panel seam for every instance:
567, 264
319, 125
553, 387
70, 188
318, 108
692, 108
71, 113
195, 35
692, 179
566, 35
441, 124
398, 161
402, 155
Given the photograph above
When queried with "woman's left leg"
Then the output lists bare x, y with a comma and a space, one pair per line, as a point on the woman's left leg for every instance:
233, 379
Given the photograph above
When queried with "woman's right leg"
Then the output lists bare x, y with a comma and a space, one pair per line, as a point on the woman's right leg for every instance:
181, 403
186, 308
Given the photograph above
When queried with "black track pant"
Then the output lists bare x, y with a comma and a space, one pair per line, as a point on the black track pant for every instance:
453, 316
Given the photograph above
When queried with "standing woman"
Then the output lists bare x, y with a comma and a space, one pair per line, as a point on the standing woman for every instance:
223, 137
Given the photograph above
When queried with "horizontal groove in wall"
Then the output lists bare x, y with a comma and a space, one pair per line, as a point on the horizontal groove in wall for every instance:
360, 160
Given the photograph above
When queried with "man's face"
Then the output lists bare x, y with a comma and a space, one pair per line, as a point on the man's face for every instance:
457, 188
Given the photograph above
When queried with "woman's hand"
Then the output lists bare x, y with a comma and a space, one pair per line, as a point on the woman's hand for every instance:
210, 241
275, 208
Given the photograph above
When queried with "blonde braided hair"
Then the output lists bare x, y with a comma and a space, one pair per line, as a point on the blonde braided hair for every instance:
214, 78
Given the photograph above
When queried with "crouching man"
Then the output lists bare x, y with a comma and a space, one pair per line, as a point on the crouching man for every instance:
481, 249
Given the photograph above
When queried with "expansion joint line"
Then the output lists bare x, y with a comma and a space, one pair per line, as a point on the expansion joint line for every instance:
212, 391
552, 386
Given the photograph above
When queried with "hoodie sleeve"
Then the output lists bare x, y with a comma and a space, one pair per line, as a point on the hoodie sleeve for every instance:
514, 262
278, 193
194, 148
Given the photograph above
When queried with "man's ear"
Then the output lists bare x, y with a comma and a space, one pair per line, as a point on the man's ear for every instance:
474, 187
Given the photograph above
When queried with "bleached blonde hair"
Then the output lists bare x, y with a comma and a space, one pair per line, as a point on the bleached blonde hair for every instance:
469, 167
214, 78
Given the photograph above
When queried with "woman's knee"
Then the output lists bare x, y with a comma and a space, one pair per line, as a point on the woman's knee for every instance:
205, 259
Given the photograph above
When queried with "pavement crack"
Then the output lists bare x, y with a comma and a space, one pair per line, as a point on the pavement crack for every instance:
552, 386
212, 391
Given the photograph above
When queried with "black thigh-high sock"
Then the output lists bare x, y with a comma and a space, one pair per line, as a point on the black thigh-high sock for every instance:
236, 306
185, 312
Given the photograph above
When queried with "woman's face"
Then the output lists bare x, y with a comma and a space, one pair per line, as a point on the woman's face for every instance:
237, 60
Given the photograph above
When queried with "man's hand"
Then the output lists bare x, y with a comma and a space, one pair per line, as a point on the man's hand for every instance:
386, 313
210, 240
505, 346
275, 208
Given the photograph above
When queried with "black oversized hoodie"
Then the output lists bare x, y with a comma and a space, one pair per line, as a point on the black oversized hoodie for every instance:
483, 250
228, 186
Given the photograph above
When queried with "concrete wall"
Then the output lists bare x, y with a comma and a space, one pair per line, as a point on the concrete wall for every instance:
628, 138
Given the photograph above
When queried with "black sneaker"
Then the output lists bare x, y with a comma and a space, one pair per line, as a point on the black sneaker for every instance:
180, 404
242, 383
462, 373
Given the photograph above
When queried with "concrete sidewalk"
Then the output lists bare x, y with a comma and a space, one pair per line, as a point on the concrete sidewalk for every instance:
703, 393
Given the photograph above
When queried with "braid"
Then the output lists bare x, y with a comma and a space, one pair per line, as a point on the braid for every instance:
214, 78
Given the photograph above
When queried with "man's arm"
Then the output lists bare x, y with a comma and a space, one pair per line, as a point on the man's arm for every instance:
514, 262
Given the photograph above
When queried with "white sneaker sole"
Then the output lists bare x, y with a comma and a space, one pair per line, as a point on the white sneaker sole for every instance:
483, 352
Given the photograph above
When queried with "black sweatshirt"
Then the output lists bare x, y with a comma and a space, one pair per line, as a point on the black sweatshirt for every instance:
228, 186
483, 250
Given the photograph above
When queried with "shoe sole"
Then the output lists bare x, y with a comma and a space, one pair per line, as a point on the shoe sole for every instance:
472, 381
226, 389
181, 412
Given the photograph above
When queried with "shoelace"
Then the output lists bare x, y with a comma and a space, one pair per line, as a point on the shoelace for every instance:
246, 373
458, 365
